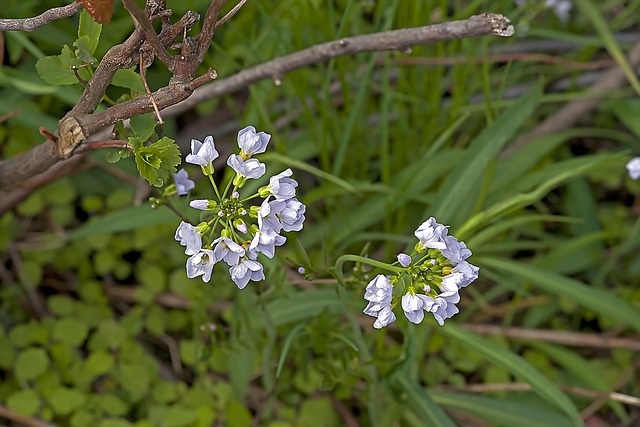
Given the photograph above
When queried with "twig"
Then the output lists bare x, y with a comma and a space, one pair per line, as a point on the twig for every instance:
575, 339
150, 34
622, 380
575, 110
30, 24
208, 27
143, 76
99, 145
174, 353
479, 25
21, 419
9, 115
487, 388
229, 15
35, 299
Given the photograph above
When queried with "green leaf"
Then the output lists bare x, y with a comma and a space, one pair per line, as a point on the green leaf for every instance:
134, 379
144, 125
65, 400
57, 69
430, 413
109, 335
515, 364
190, 352
114, 422
129, 79
24, 402
90, 29
599, 300
318, 412
31, 363
111, 404
303, 305
501, 411
127, 219
627, 110
25, 82
82, 50
172, 416
237, 415
157, 162
61, 305
114, 155
99, 363
70, 331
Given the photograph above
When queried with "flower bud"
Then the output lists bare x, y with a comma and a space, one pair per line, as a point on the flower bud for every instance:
240, 226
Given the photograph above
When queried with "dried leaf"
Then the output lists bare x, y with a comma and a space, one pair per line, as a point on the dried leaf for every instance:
100, 10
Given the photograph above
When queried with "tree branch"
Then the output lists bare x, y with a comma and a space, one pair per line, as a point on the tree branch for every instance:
79, 124
30, 24
143, 21
208, 27
479, 25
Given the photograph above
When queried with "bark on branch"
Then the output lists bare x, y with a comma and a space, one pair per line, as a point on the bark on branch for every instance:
30, 24
401, 40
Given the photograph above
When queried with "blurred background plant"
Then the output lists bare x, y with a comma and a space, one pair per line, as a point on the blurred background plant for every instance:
100, 325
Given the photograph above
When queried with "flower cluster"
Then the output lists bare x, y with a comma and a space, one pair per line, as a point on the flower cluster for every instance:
431, 282
229, 235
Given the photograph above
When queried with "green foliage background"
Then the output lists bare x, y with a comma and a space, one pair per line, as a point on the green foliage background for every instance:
378, 145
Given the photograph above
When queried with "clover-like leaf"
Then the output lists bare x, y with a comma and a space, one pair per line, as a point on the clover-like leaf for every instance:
157, 162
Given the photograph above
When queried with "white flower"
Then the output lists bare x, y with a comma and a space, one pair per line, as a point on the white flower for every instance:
187, 235
468, 271
183, 183
378, 292
292, 215
266, 241
281, 186
227, 250
404, 259
202, 154
414, 306
431, 234
444, 306
245, 271
385, 316
201, 264
267, 219
633, 167
454, 250
251, 168
251, 143
277, 215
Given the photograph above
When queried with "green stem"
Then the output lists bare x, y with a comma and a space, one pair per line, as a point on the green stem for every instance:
356, 258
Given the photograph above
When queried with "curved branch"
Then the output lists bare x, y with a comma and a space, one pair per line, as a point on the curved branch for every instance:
30, 24
403, 39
